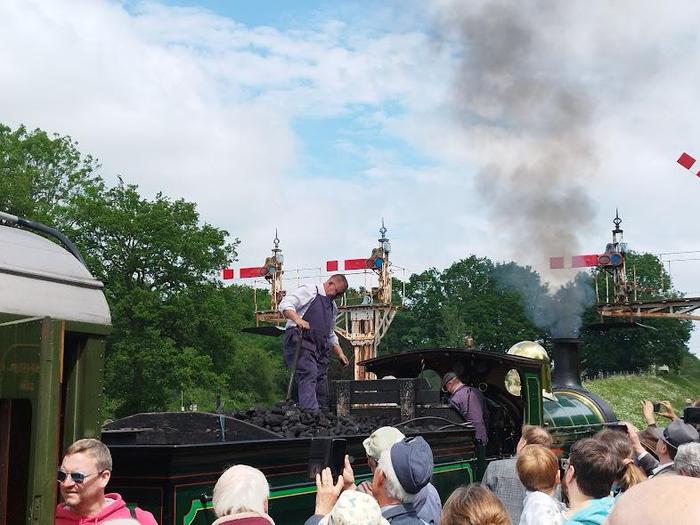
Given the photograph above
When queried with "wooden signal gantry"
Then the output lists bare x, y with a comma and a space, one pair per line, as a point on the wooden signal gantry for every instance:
364, 325
620, 293
624, 293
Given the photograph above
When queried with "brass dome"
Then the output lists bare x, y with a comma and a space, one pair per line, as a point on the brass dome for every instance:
533, 351
529, 349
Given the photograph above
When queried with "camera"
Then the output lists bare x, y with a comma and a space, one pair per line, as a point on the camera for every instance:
657, 407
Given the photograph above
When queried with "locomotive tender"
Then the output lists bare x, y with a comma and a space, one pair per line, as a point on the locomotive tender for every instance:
53, 323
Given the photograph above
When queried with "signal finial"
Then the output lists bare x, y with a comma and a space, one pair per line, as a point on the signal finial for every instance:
382, 232
277, 242
617, 221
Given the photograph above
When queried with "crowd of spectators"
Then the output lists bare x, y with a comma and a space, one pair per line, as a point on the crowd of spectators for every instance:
617, 476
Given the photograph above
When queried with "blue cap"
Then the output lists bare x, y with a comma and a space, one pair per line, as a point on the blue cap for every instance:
412, 460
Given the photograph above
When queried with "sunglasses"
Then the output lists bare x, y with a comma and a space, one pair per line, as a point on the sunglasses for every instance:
77, 477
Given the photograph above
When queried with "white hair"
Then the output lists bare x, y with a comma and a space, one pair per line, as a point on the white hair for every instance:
393, 486
240, 489
687, 460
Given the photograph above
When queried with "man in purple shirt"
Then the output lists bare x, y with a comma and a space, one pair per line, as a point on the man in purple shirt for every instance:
469, 402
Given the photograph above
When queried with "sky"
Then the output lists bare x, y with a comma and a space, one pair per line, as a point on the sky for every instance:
511, 130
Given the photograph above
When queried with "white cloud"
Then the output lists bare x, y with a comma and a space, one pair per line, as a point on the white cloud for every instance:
201, 106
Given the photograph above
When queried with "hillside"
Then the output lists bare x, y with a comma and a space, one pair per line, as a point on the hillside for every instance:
625, 393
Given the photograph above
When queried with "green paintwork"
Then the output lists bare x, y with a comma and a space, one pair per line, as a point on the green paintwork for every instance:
30, 364
532, 399
34, 353
568, 411
83, 379
570, 418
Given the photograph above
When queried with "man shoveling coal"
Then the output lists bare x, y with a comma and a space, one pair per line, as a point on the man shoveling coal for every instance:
309, 337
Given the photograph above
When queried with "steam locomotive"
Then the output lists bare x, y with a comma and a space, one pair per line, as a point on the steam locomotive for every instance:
53, 324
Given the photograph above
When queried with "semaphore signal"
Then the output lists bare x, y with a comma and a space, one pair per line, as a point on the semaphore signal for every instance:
687, 162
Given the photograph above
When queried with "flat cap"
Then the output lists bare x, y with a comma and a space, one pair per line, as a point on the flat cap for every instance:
677, 433
449, 376
412, 460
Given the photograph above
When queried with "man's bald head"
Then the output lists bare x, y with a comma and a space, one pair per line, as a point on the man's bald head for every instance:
336, 285
659, 501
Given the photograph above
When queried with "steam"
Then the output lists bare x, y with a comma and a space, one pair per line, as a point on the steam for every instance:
559, 313
529, 117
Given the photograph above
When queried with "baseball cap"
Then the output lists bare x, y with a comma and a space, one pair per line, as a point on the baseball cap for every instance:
412, 460
380, 440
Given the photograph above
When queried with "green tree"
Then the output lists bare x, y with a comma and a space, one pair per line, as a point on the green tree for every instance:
158, 263
40, 175
469, 298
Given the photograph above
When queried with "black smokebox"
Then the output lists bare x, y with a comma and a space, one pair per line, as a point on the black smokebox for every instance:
565, 352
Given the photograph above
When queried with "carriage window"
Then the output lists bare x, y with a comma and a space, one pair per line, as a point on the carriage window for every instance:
512, 382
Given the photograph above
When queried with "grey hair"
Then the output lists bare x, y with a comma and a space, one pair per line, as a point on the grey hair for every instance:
240, 489
393, 486
687, 460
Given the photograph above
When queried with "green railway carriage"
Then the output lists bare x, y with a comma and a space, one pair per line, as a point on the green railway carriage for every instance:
53, 322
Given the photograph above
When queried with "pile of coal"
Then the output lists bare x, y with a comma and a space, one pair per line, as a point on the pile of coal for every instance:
290, 421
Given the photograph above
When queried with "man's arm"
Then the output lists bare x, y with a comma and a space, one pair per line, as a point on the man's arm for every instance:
333, 341
338, 351
292, 302
648, 412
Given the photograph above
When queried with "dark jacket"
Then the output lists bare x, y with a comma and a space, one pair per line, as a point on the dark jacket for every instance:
648, 463
404, 514
470, 403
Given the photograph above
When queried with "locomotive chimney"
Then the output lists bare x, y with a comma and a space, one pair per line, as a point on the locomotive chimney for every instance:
565, 352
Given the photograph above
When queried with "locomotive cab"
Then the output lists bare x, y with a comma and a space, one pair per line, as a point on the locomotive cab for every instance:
489, 372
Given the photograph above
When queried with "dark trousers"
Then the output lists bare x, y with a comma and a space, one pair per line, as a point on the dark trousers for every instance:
312, 368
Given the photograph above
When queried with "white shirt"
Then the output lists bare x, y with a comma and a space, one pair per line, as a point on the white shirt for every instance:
541, 509
300, 299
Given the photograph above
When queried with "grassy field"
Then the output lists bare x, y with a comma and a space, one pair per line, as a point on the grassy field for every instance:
625, 393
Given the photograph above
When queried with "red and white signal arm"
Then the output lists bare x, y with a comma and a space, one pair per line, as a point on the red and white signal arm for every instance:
355, 264
688, 162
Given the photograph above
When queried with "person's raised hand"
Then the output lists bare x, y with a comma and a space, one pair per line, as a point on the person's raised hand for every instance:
326, 491
667, 411
348, 475
633, 436
648, 412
